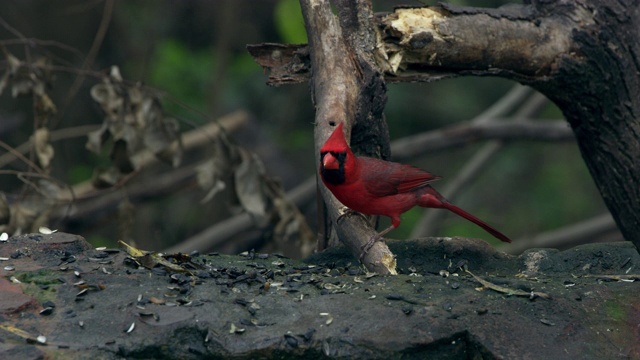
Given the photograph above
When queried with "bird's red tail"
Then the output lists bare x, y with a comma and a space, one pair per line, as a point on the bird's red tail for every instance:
488, 228
431, 198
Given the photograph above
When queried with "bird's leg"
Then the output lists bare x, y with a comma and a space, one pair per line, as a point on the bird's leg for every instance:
375, 238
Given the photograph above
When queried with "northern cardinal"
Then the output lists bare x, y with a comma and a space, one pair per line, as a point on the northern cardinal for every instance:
377, 187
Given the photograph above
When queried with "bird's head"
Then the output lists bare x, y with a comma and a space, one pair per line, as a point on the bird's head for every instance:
335, 154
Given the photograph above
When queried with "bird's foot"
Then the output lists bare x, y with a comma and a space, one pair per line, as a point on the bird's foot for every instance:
345, 211
364, 249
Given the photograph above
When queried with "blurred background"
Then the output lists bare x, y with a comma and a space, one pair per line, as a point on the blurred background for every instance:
189, 57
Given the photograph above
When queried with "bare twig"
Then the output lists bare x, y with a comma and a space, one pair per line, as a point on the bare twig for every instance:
220, 233
629, 277
505, 290
472, 131
570, 235
477, 163
55, 135
18, 155
93, 51
191, 139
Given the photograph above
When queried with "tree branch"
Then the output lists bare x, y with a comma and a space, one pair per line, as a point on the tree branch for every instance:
476, 164
518, 128
570, 235
339, 80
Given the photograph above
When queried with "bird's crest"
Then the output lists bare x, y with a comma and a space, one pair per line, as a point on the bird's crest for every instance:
336, 142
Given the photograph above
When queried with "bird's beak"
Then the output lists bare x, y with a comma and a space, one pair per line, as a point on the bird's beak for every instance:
329, 162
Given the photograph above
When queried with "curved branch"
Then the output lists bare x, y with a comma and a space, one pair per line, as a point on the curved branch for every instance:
519, 128
340, 78
220, 233
477, 164
570, 235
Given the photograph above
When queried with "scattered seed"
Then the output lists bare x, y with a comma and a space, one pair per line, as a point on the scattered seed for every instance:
130, 328
45, 230
9, 268
46, 311
329, 318
42, 339
291, 340
308, 335
81, 323
462, 264
149, 314
235, 330
155, 300
444, 273
77, 273
447, 306
330, 286
4, 258
15, 280
547, 322
4, 237
105, 271
82, 292
625, 263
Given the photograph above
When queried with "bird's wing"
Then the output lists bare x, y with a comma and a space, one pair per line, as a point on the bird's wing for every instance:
384, 178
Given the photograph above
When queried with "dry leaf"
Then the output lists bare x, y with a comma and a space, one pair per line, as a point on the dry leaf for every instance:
134, 122
44, 150
213, 173
248, 179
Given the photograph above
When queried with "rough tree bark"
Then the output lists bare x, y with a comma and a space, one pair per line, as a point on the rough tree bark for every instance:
347, 88
584, 55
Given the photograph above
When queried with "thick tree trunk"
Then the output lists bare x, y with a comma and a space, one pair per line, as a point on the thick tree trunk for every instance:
582, 54
347, 88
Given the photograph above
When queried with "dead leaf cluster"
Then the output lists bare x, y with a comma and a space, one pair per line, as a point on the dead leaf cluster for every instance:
134, 129
258, 194
31, 79
134, 122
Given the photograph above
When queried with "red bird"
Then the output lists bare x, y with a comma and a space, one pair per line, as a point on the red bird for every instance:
377, 187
